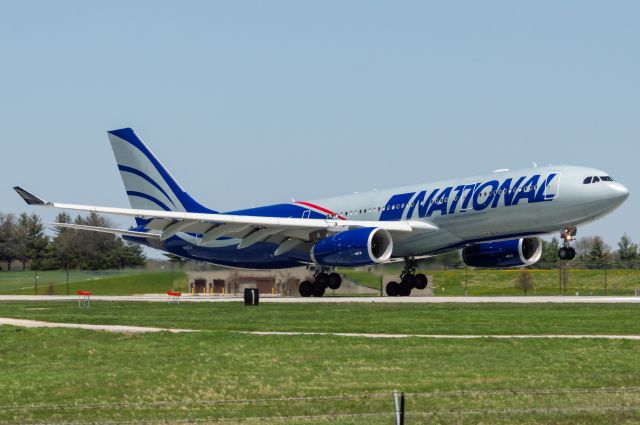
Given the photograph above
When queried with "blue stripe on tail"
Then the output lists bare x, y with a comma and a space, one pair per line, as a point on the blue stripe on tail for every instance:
147, 178
190, 204
149, 198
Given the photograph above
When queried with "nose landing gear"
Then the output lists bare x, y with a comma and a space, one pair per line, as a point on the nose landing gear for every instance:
408, 280
567, 253
322, 281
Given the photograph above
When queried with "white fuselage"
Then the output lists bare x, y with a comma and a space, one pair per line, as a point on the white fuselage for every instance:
562, 201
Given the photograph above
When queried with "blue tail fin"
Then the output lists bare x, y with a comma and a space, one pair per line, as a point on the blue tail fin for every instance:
148, 184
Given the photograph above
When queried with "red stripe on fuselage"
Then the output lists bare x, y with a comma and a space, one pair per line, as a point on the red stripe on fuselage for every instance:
319, 208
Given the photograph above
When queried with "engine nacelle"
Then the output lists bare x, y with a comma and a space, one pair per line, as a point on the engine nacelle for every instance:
513, 253
358, 247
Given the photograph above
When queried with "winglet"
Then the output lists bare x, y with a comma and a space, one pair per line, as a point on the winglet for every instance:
30, 198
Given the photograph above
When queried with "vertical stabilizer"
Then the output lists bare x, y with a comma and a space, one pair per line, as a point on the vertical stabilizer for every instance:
148, 184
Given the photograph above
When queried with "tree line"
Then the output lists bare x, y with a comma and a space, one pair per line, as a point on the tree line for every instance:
23, 240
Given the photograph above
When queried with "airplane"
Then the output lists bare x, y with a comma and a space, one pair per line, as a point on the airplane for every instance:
496, 220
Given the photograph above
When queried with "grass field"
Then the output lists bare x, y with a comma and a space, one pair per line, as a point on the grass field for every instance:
109, 282
502, 282
222, 375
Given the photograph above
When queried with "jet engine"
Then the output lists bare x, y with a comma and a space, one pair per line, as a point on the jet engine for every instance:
351, 248
511, 253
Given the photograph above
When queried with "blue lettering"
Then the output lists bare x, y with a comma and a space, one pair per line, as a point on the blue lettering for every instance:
528, 191
504, 189
422, 205
440, 204
508, 197
395, 207
542, 195
456, 198
485, 195
471, 188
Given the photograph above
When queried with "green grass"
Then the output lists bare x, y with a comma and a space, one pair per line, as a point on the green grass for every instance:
502, 282
169, 377
362, 277
347, 317
125, 282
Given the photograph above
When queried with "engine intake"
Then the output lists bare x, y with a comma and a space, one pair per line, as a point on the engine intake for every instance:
351, 248
512, 253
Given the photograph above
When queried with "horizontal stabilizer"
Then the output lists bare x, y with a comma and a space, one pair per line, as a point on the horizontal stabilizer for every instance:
29, 198
106, 230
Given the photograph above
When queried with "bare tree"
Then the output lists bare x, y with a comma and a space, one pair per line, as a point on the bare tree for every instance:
524, 281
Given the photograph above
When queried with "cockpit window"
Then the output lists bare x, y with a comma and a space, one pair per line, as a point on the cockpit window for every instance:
596, 179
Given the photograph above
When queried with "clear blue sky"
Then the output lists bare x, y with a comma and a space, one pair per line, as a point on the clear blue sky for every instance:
249, 103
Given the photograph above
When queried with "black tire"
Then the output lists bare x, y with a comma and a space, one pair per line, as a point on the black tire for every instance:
563, 253
305, 288
405, 290
317, 289
420, 281
572, 254
409, 280
335, 280
323, 280
393, 289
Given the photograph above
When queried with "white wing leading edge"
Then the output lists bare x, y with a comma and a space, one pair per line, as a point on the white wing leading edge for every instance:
251, 229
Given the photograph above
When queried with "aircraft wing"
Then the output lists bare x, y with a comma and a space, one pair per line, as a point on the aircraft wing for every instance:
251, 229
120, 232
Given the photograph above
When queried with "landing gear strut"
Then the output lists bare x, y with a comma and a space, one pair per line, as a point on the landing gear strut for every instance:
567, 252
321, 281
408, 280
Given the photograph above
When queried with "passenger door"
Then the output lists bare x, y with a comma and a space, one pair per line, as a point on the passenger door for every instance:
552, 186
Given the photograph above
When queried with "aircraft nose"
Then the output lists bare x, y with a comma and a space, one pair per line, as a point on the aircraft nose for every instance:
618, 191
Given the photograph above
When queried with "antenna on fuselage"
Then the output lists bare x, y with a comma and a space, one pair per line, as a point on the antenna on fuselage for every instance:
535, 165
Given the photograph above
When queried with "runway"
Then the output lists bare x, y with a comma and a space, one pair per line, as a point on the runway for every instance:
266, 299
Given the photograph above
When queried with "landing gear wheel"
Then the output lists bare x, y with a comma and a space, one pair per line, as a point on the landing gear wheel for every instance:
572, 253
335, 280
323, 280
393, 289
317, 289
305, 288
409, 281
420, 281
563, 253
405, 290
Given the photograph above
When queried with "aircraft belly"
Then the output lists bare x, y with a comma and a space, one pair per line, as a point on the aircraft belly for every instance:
425, 243
257, 256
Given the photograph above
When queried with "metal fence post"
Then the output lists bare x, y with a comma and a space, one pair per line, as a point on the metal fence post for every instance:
605, 275
398, 400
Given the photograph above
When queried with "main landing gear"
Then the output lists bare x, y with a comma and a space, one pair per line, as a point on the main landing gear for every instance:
567, 252
408, 280
322, 281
